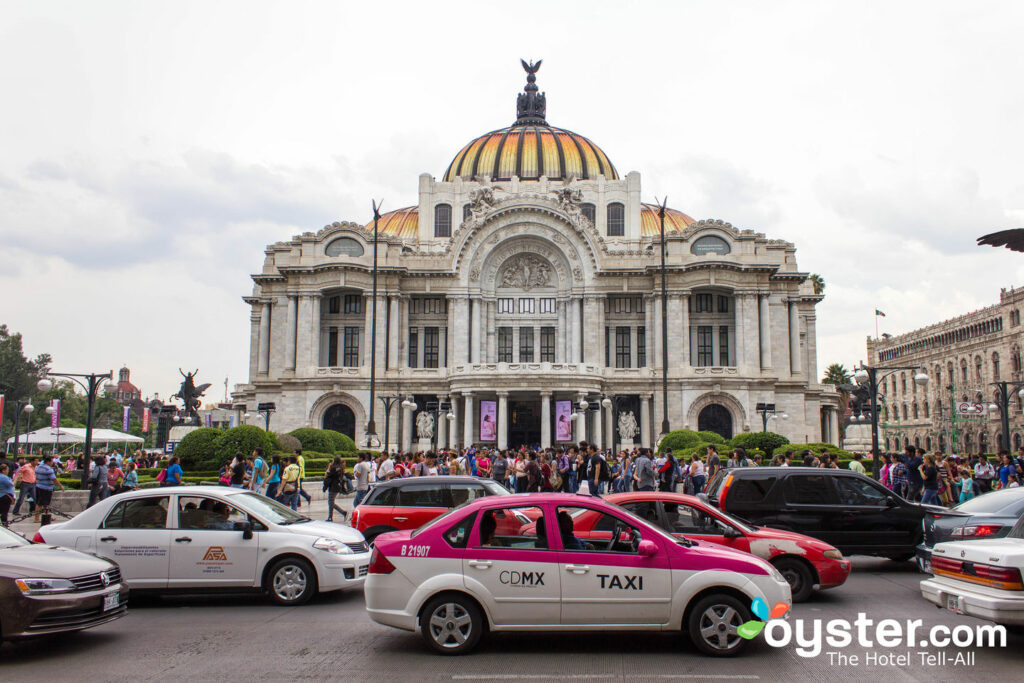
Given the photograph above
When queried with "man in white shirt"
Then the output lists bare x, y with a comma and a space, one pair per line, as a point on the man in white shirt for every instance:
386, 470
362, 472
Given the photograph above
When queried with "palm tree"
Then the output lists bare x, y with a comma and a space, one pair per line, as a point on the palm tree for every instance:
818, 282
836, 374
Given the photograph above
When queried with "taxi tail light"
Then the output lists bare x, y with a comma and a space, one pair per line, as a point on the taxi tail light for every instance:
379, 564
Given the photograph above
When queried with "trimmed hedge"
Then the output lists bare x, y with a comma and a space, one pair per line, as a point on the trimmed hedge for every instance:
198, 449
242, 439
289, 444
316, 440
711, 437
763, 441
680, 439
816, 447
342, 442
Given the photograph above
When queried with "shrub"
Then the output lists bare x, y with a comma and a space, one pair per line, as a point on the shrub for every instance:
198, 449
711, 437
817, 448
243, 439
288, 443
680, 439
763, 441
342, 442
318, 440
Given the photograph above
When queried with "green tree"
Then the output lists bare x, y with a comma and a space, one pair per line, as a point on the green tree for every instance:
818, 282
836, 374
18, 375
198, 450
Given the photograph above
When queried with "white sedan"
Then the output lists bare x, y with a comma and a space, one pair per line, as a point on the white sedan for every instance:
203, 537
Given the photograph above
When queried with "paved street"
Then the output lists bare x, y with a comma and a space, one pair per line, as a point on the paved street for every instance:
239, 638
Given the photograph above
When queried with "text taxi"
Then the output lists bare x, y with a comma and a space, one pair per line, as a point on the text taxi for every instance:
464, 573
203, 537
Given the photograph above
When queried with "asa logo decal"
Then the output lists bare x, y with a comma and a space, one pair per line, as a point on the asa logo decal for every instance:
215, 554
517, 578
626, 583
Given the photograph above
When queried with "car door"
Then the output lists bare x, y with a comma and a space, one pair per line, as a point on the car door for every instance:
206, 547
609, 582
864, 520
809, 506
134, 534
699, 523
514, 570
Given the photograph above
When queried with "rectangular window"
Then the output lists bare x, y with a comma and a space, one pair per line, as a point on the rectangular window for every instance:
547, 344
703, 303
351, 358
705, 346
723, 345
641, 347
332, 347
430, 339
353, 304
526, 344
607, 347
506, 305
428, 305
547, 305
414, 347
622, 347
505, 344
723, 304
526, 305
622, 304
334, 305
616, 220
589, 212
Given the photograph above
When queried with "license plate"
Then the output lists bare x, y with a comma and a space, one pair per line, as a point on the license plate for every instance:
954, 604
111, 602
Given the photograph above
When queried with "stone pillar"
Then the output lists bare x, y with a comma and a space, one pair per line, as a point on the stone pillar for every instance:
491, 334
678, 335
314, 331
394, 330
254, 343
683, 311
364, 341
597, 438
453, 426
561, 334
645, 421
450, 357
575, 338
545, 419
264, 354
406, 429
290, 331
303, 336
833, 426
649, 314
655, 333
592, 331
502, 420
467, 426
441, 428
765, 332
476, 331
457, 330
794, 338
403, 333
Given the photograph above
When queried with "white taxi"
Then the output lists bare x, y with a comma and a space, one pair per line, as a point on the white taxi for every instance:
203, 537
508, 563
980, 578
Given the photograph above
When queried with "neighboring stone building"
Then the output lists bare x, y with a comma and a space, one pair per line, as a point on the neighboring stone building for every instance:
528, 277
963, 356
124, 392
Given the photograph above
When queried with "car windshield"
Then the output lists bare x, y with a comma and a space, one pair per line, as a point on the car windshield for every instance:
683, 541
437, 520
495, 489
990, 502
9, 539
268, 509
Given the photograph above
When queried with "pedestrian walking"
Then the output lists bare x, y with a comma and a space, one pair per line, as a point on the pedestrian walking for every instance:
6, 493
302, 477
274, 477
46, 481
333, 482
25, 477
97, 481
290, 483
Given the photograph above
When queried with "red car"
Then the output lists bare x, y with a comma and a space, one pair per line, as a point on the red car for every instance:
806, 562
411, 502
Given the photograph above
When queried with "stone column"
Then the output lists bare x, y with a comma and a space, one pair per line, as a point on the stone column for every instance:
468, 417
765, 332
655, 333
597, 438
364, 341
645, 420
545, 419
502, 420
561, 334
406, 429
403, 333
441, 428
592, 331
453, 426
394, 330
833, 426
303, 336
491, 334
794, 338
314, 330
575, 338
264, 354
290, 331
450, 356
678, 335
684, 327
649, 314
458, 330
254, 343
477, 332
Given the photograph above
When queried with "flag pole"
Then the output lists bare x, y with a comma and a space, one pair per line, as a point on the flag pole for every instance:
876, 324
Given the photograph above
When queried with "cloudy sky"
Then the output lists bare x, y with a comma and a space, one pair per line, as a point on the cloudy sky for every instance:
150, 150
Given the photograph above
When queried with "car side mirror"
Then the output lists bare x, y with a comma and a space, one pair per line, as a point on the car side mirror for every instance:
732, 532
890, 502
647, 548
245, 528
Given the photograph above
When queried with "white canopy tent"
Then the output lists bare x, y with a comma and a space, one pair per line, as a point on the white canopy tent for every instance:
69, 435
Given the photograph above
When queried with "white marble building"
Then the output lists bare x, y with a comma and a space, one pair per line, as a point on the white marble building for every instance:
529, 275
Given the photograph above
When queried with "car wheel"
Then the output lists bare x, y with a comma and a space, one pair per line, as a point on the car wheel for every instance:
798, 576
291, 581
451, 624
713, 625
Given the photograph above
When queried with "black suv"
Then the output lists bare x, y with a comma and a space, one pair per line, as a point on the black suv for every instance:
853, 512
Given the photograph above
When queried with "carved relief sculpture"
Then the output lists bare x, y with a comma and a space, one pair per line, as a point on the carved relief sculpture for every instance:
627, 425
425, 426
526, 271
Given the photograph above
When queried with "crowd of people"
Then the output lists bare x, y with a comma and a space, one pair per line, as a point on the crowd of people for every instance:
941, 479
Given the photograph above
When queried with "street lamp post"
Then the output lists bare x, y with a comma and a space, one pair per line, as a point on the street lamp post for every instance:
388, 402
266, 410
92, 383
664, 325
371, 425
867, 375
19, 407
1003, 404
767, 410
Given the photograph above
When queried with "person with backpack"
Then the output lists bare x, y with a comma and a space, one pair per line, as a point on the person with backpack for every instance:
564, 471
274, 477
97, 481
290, 484
302, 477
333, 480
534, 475
260, 470
667, 473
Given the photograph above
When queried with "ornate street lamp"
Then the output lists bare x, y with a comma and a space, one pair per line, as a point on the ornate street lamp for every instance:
92, 383
868, 376
371, 425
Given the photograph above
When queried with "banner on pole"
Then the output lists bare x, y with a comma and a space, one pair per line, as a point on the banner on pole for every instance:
55, 415
126, 419
488, 424
145, 420
563, 420
209, 419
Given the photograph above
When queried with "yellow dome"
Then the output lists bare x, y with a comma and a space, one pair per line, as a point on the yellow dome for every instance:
529, 152
400, 222
650, 224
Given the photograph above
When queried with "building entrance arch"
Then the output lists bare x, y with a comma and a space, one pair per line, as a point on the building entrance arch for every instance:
715, 418
340, 418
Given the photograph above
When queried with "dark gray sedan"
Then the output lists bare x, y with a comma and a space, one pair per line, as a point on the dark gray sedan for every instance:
990, 515
45, 589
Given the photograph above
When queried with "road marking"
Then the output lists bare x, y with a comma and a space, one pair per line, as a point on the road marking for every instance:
510, 677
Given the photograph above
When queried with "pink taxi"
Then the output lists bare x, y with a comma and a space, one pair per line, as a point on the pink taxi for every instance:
469, 571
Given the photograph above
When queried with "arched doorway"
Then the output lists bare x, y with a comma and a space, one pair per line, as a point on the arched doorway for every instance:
715, 418
340, 418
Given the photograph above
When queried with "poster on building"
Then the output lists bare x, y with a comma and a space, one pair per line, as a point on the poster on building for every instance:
126, 419
563, 420
55, 413
967, 408
145, 421
488, 421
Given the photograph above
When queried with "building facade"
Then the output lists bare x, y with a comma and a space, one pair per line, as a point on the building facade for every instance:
525, 279
963, 357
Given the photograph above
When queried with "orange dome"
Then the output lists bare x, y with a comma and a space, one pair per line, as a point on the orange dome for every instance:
650, 224
400, 222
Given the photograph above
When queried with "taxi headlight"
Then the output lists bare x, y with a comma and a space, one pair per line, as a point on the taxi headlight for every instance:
833, 554
332, 546
777, 575
44, 586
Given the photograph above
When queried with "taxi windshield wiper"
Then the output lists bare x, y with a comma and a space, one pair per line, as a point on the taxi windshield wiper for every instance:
296, 521
684, 541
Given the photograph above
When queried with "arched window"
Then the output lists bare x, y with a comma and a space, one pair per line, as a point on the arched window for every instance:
344, 245
917, 441
905, 412
1016, 441
616, 220
443, 220
887, 444
466, 210
963, 370
928, 443
926, 410
1015, 359
977, 368
915, 410
903, 382
589, 212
